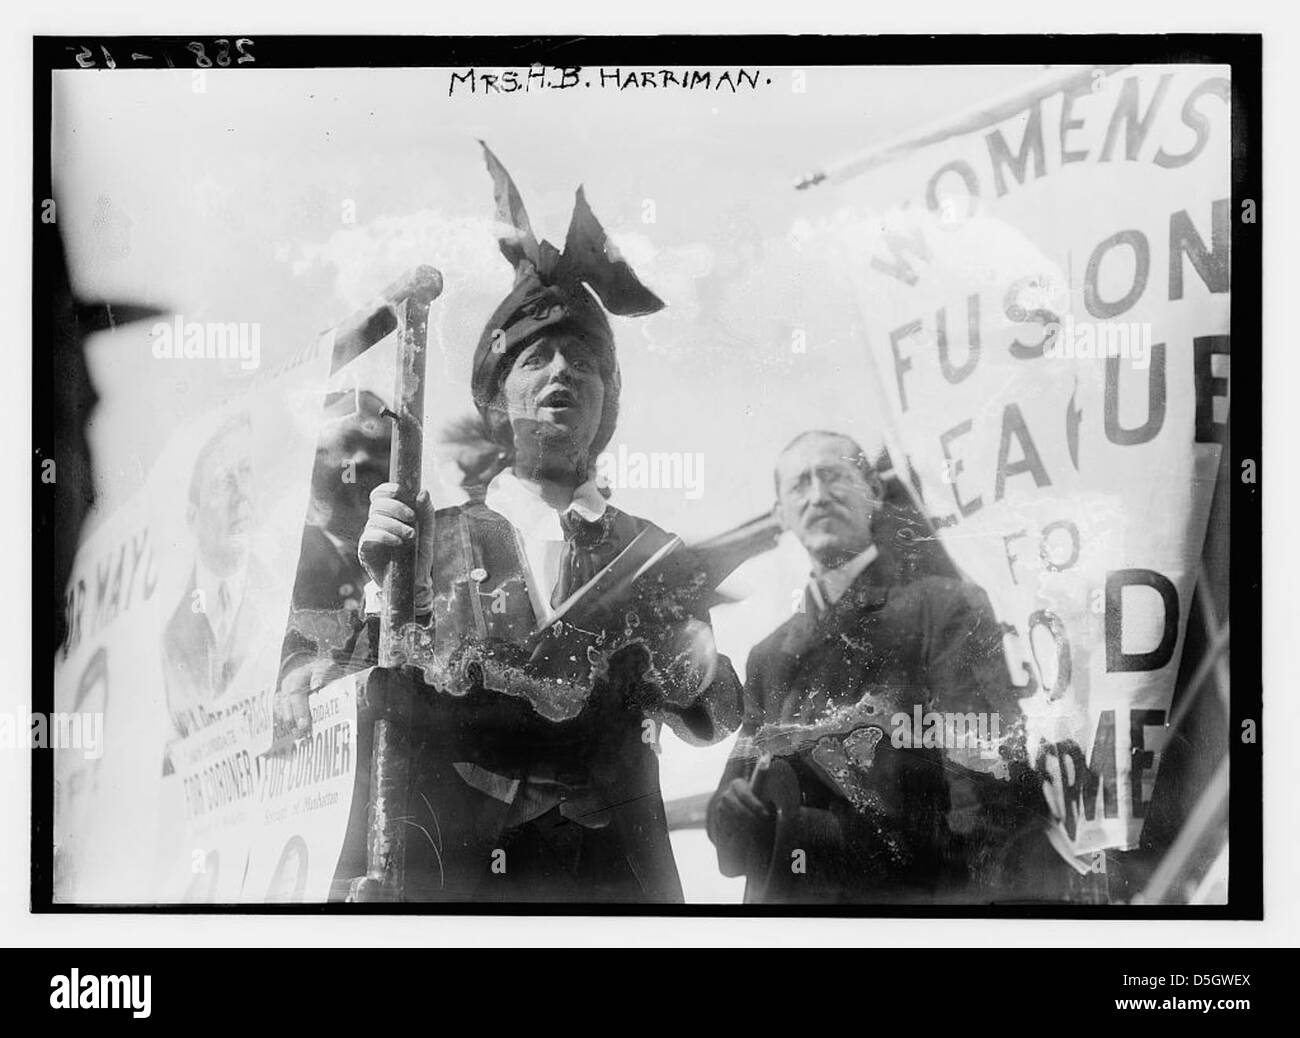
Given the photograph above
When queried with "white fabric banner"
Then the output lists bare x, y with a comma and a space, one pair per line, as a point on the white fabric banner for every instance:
1044, 289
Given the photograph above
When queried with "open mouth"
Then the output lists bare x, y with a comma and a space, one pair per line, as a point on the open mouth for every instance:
558, 399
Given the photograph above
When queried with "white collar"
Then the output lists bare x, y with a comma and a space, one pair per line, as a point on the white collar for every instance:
532, 516
210, 584
836, 581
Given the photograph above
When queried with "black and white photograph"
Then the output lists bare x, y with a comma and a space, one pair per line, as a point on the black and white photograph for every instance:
780, 478
573, 484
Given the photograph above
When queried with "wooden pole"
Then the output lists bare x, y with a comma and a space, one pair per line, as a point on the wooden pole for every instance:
388, 690
408, 451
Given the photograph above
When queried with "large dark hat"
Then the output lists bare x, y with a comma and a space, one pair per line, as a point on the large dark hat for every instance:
554, 289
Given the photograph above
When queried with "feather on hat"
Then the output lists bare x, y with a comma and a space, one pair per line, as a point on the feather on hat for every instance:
573, 288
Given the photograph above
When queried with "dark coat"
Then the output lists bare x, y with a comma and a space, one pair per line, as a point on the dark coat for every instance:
327, 579
481, 600
327, 611
932, 643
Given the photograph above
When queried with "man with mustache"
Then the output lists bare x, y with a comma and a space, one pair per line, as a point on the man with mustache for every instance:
816, 808
536, 770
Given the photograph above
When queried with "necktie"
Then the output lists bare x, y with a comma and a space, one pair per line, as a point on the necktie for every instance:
819, 602
582, 557
222, 627
218, 665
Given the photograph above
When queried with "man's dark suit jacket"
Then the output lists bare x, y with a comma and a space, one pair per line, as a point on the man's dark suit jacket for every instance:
328, 606
480, 597
932, 643
193, 675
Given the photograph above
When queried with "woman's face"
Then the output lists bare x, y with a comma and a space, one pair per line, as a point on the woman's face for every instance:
554, 392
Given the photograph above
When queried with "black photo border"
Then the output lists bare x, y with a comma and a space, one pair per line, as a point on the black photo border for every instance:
1242, 52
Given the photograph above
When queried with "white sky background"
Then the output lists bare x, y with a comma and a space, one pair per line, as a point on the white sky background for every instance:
228, 206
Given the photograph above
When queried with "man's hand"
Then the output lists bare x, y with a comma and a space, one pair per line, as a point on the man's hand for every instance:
745, 826
391, 524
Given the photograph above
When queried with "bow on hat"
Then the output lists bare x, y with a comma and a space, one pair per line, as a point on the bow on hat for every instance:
555, 288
